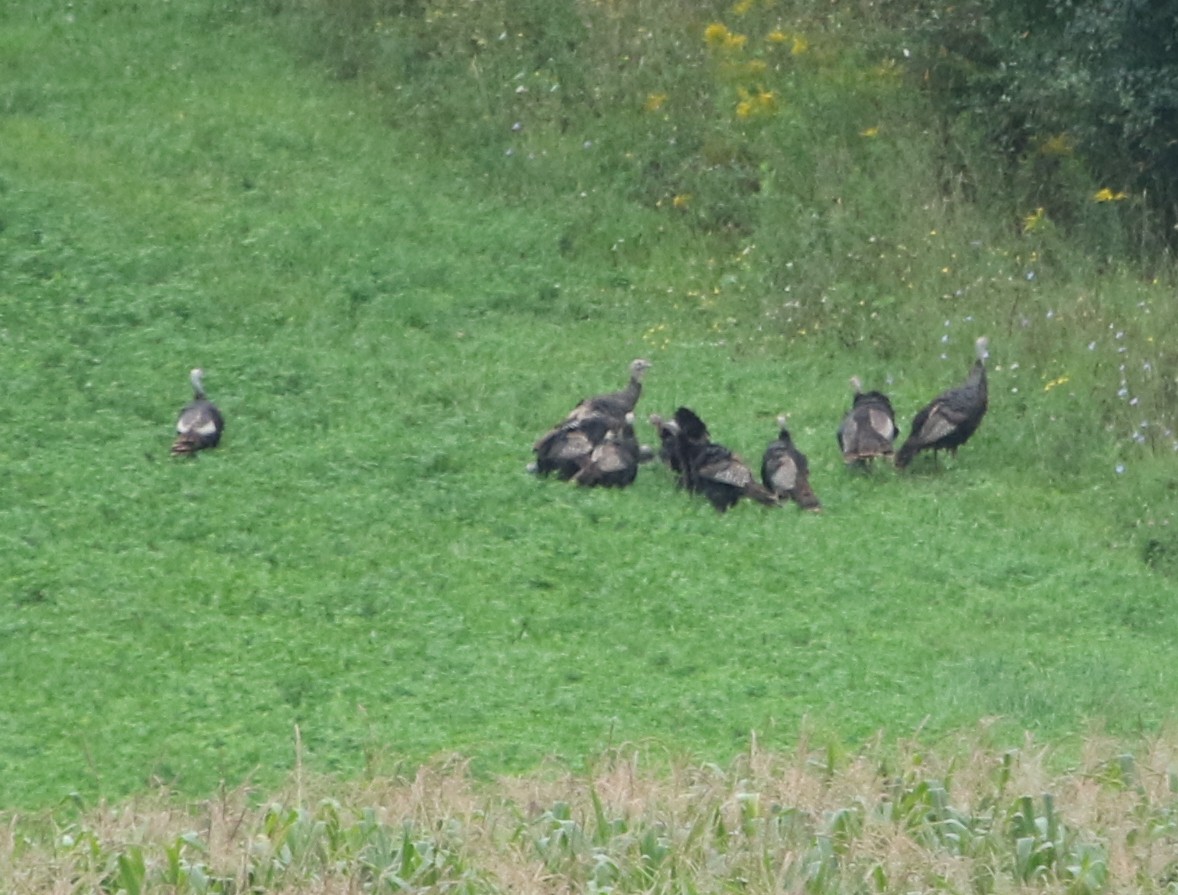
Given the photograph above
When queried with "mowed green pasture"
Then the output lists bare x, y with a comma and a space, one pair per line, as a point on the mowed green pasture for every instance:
365, 559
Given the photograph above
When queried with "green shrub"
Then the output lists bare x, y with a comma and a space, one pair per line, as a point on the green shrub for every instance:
1069, 104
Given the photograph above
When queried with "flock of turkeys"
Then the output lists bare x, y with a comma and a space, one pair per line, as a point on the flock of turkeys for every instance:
596, 443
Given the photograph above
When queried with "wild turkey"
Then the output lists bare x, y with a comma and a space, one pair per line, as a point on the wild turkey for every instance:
868, 429
200, 423
674, 437
563, 448
614, 405
785, 471
614, 462
709, 468
723, 478
693, 429
669, 452
953, 416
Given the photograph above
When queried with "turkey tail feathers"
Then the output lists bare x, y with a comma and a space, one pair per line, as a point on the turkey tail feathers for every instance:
188, 443
761, 494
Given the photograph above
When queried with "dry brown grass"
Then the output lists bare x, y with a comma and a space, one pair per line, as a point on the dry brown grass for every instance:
887, 819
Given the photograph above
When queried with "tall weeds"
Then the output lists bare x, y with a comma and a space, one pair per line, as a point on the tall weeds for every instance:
963, 818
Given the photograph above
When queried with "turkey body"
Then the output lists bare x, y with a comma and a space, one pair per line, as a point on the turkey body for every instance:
200, 423
705, 467
614, 405
786, 472
868, 430
563, 450
723, 478
677, 438
568, 446
614, 462
948, 421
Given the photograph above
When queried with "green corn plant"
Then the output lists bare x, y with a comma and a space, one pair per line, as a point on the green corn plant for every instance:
1037, 839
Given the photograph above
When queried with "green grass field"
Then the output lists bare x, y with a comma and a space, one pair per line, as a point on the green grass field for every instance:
387, 328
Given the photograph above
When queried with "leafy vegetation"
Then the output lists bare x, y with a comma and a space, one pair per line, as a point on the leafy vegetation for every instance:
1062, 94
969, 818
394, 289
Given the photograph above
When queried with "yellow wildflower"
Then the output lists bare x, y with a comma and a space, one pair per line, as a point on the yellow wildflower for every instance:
800, 45
742, 7
681, 201
1055, 382
1056, 144
870, 132
777, 36
735, 41
716, 34
757, 102
1035, 220
1107, 195
654, 102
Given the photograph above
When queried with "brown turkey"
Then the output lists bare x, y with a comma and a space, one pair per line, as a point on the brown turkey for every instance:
705, 467
614, 462
951, 417
564, 447
614, 405
785, 471
200, 423
868, 430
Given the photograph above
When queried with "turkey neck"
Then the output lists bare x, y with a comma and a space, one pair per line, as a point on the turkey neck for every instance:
977, 379
628, 397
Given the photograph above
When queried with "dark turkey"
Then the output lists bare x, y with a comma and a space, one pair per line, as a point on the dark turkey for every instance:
614, 462
693, 429
723, 478
675, 437
669, 445
708, 468
952, 417
785, 471
868, 429
563, 448
200, 423
614, 405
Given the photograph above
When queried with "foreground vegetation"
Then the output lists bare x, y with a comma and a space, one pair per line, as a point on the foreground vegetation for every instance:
965, 818
393, 297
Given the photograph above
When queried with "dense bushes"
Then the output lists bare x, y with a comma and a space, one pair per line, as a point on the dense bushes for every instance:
1077, 102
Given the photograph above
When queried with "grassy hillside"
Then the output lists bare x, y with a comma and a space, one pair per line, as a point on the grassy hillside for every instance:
389, 318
